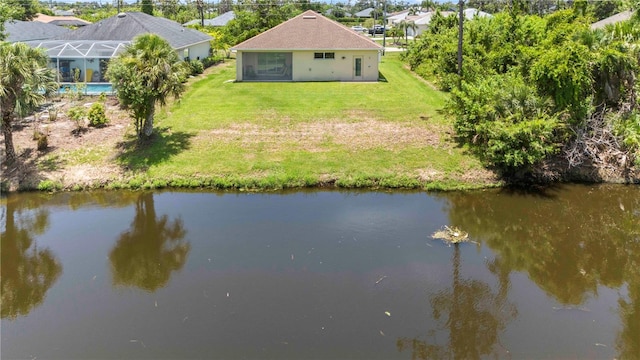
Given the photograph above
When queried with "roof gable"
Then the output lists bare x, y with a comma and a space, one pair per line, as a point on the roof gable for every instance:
309, 31
126, 26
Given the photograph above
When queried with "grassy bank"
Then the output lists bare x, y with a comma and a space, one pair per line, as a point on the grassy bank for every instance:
282, 135
221, 134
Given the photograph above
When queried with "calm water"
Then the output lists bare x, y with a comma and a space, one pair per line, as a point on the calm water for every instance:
321, 275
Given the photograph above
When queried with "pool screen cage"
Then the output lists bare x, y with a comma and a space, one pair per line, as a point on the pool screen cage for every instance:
80, 60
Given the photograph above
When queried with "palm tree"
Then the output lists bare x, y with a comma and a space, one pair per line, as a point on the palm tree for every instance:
25, 81
149, 71
405, 26
153, 248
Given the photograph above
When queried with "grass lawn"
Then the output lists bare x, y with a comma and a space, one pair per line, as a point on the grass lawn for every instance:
280, 135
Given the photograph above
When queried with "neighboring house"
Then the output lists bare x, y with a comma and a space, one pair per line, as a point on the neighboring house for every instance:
308, 47
22, 31
397, 17
64, 12
366, 13
61, 20
218, 21
422, 20
623, 16
85, 53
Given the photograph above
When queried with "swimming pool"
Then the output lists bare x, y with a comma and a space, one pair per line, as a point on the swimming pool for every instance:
88, 89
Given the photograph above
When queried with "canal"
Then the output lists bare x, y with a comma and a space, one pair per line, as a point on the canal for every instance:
321, 275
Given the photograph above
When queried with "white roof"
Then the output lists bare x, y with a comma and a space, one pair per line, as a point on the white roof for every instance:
78, 49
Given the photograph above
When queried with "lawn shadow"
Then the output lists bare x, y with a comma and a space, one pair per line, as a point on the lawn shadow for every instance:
163, 144
25, 173
381, 77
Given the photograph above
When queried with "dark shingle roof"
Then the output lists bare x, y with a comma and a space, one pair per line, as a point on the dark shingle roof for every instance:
32, 30
221, 20
126, 26
364, 13
309, 31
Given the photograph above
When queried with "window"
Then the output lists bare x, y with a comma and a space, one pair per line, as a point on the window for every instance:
271, 63
327, 55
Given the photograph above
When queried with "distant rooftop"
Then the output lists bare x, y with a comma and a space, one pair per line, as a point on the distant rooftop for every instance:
126, 26
221, 20
623, 16
21, 31
61, 20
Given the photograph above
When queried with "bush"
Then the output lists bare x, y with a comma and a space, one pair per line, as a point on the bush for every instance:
53, 113
196, 67
96, 116
212, 60
42, 140
77, 114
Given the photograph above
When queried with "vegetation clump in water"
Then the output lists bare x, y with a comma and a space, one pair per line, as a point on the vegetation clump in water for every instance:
451, 235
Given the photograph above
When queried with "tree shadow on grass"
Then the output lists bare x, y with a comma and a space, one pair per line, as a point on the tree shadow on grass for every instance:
26, 172
163, 144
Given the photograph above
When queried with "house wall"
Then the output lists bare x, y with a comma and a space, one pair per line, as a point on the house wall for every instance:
196, 51
341, 68
306, 68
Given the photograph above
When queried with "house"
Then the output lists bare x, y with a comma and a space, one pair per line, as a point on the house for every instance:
308, 47
64, 12
84, 54
189, 43
366, 13
422, 20
61, 20
22, 31
623, 16
218, 21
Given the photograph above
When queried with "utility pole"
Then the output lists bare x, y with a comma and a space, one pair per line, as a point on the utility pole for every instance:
384, 27
460, 29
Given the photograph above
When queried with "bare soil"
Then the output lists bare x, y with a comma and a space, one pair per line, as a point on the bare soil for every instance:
64, 138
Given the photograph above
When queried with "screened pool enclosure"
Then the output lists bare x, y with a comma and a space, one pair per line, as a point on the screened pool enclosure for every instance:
267, 66
80, 60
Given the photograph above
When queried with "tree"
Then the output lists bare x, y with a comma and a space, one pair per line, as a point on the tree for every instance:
153, 248
147, 7
23, 9
28, 271
405, 26
147, 73
24, 84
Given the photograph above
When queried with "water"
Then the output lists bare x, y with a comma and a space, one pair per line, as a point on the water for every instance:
89, 89
327, 275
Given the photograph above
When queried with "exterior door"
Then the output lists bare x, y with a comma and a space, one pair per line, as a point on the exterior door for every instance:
357, 67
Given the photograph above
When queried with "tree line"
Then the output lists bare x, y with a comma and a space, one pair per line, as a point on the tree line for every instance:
540, 97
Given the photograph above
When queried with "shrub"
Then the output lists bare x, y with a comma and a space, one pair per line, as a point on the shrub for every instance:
53, 113
43, 141
77, 114
96, 115
49, 185
196, 67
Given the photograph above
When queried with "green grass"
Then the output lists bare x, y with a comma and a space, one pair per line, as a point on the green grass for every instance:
188, 153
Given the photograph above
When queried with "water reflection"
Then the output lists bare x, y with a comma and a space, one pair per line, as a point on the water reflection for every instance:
27, 270
152, 248
471, 317
569, 242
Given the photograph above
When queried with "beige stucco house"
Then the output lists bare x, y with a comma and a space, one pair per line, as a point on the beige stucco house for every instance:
308, 47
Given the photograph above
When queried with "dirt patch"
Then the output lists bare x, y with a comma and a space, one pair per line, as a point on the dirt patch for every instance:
53, 163
363, 135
